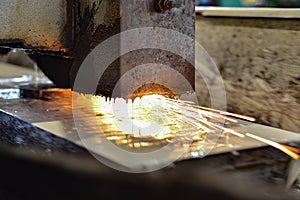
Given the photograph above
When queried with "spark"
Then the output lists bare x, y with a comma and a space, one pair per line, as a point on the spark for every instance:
161, 118
284, 148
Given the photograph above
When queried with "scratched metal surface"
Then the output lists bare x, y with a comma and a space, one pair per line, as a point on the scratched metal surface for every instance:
261, 166
54, 114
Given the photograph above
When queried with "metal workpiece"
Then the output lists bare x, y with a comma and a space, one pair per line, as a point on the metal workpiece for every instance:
65, 163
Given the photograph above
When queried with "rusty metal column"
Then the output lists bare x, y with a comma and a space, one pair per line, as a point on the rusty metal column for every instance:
176, 15
98, 22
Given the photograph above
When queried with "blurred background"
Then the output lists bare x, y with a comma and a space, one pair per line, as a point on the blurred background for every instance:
251, 3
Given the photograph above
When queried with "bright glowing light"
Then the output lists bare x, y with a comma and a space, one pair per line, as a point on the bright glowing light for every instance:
284, 148
160, 118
